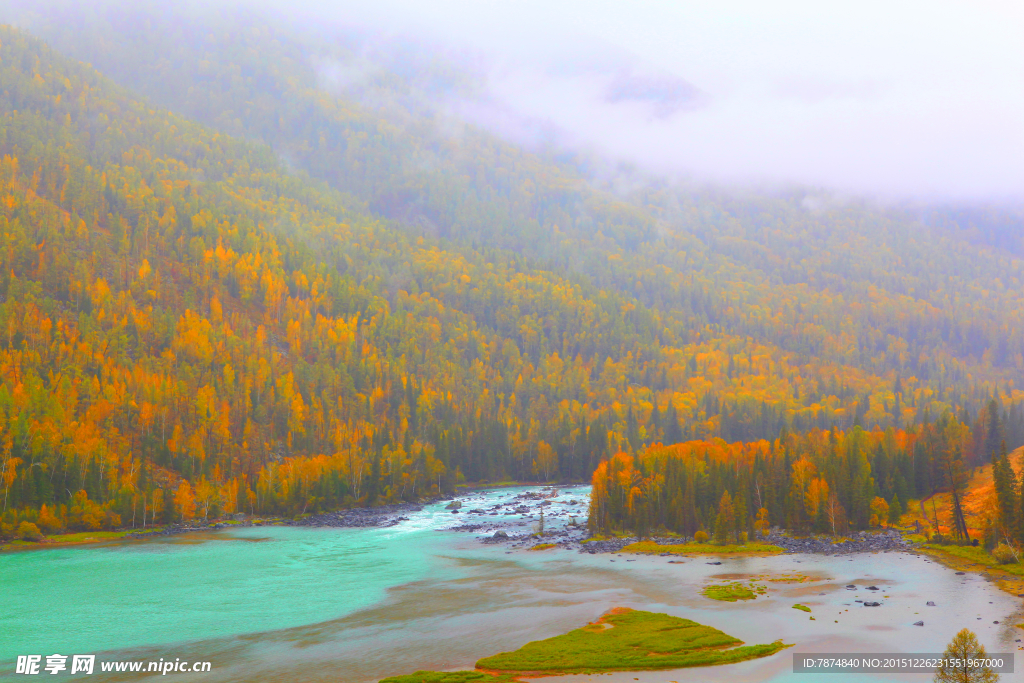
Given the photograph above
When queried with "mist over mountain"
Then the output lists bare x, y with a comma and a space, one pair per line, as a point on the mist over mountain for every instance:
882, 100
886, 99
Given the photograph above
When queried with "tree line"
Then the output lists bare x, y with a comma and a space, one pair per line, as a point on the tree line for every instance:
824, 481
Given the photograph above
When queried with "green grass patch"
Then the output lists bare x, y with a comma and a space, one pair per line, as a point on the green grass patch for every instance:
83, 537
802, 608
629, 640
606, 537
731, 592
652, 548
786, 578
543, 546
75, 538
451, 677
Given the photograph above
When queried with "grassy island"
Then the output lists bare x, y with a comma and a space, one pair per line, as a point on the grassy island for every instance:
731, 592
543, 546
621, 640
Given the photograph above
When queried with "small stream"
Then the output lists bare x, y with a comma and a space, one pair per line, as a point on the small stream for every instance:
353, 605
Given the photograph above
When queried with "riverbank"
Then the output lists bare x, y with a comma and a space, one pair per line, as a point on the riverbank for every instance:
389, 601
380, 516
1008, 578
362, 517
67, 540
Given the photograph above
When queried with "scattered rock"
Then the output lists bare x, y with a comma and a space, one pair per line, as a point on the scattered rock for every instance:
383, 516
872, 604
930, 603
862, 542
918, 623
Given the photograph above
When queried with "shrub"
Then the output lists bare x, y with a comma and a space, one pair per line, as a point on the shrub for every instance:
743, 538
701, 536
49, 522
88, 515
111, 520
84, 514
1004, 554
27, 531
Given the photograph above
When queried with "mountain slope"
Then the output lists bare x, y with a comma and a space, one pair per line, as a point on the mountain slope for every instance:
191, 326
186, 321
844, 282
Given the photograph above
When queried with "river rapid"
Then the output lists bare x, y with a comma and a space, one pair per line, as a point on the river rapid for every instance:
353, 605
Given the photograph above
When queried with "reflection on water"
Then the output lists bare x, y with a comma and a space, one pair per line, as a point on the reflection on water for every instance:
464, 600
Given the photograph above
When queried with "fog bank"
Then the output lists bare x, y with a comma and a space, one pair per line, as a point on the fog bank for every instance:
902, 100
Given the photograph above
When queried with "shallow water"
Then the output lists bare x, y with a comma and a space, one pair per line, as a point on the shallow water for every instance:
353, 605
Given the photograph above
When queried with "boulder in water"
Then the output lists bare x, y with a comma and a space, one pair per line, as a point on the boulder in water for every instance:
918, 623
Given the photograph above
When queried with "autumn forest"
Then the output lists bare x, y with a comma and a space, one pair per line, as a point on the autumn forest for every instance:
230, 288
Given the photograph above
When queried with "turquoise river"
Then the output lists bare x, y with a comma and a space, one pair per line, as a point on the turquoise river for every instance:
299, 605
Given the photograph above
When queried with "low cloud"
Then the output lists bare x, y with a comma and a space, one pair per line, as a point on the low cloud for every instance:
901, 100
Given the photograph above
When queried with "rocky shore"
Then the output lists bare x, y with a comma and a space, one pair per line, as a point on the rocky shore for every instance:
862, 542
180, 529
577, 538
383, 516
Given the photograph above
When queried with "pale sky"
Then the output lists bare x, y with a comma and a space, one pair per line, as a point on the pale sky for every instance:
919, 100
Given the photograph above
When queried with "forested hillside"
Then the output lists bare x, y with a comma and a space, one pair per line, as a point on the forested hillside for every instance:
843, 281
227, 288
